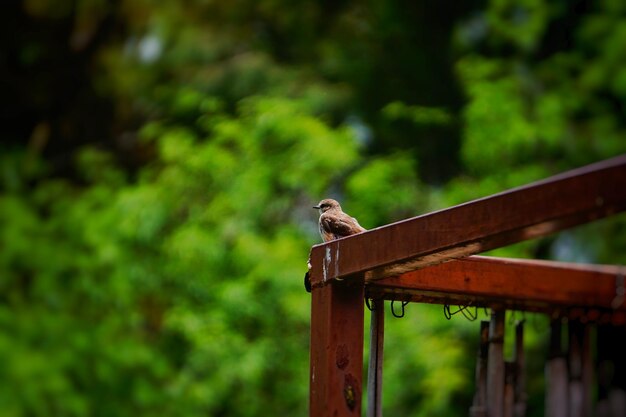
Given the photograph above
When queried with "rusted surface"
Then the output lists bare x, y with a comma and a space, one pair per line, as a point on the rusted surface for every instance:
527, 212
386, 263
511, 283
336, 350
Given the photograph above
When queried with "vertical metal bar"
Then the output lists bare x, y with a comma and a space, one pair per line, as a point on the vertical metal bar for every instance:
556, 375
617, 347
375, 368
604, 367
575, 330
520, 369
495, 365
509, 388
336, 349
478, 408
588, 372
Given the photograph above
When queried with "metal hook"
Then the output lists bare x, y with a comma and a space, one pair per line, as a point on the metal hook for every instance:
463, 310
469, 316
368, 305
393, 311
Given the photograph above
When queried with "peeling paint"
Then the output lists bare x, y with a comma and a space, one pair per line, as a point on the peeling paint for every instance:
423, 261
326, 263
540, 229
337, 260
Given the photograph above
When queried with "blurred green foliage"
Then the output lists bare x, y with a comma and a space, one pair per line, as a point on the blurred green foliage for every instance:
159, 161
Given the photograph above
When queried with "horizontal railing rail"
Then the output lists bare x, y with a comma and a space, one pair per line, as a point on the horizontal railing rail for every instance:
538, 209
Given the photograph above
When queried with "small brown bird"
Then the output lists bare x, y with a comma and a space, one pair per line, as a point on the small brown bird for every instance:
334, 223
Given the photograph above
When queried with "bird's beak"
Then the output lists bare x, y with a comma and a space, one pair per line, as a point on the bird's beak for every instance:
316, 207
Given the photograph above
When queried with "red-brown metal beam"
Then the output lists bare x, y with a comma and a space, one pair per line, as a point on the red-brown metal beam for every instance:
510, 283
336, 350
537, 209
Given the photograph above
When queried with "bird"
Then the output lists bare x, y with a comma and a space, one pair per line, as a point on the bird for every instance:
334, 223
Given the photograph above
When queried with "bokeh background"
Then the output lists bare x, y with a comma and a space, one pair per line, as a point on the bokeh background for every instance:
159, 161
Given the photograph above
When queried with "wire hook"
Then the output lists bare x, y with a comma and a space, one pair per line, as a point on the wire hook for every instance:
393, 311
463, 310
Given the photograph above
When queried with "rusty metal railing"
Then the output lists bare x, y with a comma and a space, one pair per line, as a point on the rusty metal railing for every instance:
419, 260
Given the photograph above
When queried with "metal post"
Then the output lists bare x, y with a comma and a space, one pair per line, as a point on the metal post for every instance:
520, 370
336, 349
556, 375
495, 365
478, 408
575, 330
509, 388
375, 368
587, 372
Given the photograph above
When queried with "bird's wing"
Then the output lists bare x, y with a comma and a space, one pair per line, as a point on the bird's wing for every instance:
339, 225
358, 226
326, 235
